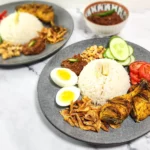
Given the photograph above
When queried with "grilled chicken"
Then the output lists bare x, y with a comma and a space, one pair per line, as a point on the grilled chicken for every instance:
141, 105
141, 109
42, 11
118, 109
115, 112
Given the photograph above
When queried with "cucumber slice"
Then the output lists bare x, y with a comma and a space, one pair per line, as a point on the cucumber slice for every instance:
114, 36
125, 62
132, 58
130, 50
128, 61
109, 54
119, 49
104, 54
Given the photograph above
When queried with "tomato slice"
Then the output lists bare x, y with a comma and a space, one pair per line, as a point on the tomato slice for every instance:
135, 77
135, 66
144, 71
133, 82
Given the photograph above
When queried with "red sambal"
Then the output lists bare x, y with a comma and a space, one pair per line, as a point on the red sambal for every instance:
110, 19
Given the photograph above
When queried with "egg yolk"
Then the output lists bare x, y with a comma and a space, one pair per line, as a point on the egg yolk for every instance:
63, 74
67, 96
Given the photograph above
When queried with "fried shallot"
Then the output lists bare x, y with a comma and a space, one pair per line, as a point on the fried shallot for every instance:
53, 34
83, 114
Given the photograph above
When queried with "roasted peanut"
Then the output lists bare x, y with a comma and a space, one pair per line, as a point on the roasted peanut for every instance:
93, 52
5, 55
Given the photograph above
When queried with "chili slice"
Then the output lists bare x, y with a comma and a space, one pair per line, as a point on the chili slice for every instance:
107, 13
3, 14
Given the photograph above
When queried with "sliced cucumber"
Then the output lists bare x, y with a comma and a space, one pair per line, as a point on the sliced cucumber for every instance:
114, 36
104, 54
119, 49
125, 62
109, 54
128, 61
132, 58
130, 50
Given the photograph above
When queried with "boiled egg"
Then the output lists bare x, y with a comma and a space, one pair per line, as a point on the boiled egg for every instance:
66, 95
63, 77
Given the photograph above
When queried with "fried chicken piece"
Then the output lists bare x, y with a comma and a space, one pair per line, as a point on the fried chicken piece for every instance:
113, 113
46, 14
132, 87
118, 109
35, 46
141, 104
104, 126
141, 109
29, 8
115, 126
42, 11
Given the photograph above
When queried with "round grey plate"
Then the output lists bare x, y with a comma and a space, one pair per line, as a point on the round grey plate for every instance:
47, 92
62, 17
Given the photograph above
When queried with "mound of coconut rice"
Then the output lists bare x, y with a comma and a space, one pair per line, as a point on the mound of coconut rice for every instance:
20, 28
103, 79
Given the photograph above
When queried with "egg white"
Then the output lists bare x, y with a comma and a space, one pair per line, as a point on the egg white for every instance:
73, 89
63, 83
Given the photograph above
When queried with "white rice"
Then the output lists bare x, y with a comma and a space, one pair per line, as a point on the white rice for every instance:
98, 87
21, 32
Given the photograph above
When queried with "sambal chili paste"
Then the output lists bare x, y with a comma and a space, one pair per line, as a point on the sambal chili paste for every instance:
108, 19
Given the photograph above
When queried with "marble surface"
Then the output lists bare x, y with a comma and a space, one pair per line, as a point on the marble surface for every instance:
22, 124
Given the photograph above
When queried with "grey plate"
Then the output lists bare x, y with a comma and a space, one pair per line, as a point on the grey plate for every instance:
62, 17
47, 92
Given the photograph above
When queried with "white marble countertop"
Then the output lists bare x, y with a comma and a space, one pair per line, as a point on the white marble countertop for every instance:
22, 124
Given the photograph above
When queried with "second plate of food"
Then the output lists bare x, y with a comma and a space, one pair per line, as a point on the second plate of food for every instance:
30, 31
93, 118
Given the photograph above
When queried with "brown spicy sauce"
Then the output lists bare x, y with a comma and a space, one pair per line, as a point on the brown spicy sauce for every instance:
74, 66
111, 19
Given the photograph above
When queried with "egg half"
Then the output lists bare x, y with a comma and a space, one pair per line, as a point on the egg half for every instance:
66, 95
63, 77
